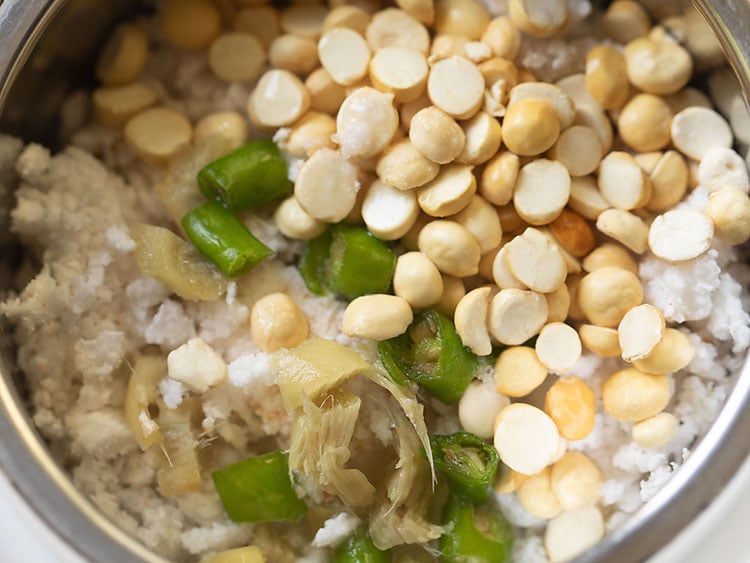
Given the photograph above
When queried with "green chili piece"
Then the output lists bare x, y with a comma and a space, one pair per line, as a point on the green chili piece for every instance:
431, 354
258, 489
358, 263
312, 263
218, 234
467, 461
476, 534
358, 548
252, 175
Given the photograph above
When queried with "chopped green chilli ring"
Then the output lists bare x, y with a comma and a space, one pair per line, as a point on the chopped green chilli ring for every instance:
348, 261
467, 461
218, 234
358, 263
312, 263
258, 489
431, 354
474, 533
254, 174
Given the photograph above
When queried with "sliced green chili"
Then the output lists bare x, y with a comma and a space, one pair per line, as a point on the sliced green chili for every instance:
348, 261
358, 263
218, 234
358, 548
431, 354
467, 461
258, 489
312, 263
476, 534
252, 175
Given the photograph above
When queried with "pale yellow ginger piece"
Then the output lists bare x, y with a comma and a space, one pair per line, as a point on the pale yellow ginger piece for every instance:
176, 263
249, 554
314, 367
141, 393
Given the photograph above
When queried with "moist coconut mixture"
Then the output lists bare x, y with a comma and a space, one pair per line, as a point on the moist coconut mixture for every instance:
414, 282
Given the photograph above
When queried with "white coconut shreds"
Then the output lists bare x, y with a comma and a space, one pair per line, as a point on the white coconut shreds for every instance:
336, 529
87, 313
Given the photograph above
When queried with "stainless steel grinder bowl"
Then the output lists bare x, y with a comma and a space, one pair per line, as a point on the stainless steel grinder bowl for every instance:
48, 45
